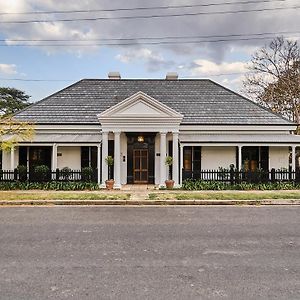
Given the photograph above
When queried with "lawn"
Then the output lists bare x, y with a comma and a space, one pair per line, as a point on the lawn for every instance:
14, 195
244, 195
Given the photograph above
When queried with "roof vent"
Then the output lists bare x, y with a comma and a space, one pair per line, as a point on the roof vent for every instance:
114, 75
171, 76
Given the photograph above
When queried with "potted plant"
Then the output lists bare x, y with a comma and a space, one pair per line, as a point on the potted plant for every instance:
110, 182
169, 182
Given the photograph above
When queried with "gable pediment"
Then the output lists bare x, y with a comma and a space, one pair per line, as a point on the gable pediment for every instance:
139, 106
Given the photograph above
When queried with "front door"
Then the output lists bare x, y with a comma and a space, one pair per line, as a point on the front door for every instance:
140, 165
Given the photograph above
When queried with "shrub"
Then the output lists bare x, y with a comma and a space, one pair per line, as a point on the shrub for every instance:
198, 185
87, 174
22, 170
51, 185
42, 173
66, 172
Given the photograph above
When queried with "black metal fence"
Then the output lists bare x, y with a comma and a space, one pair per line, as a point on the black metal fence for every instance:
234, 176
56, 175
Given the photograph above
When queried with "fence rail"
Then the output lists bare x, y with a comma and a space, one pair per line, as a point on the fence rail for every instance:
54, 175
234, 176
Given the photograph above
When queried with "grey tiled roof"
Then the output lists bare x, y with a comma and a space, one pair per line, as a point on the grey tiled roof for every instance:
200, 101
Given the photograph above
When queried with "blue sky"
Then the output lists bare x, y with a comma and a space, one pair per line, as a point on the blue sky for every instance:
203, 60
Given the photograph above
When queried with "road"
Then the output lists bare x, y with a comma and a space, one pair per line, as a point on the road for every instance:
150, 253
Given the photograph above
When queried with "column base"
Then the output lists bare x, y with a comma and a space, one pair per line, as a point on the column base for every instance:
117, 186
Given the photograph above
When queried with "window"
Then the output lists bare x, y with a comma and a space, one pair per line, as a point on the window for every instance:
191, 162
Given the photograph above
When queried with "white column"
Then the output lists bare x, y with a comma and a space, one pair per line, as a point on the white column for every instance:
175, 159
293, 158
104, 155
239, 166
181, 162
12, 158
98, 163
117, 160
54, 157
163, 154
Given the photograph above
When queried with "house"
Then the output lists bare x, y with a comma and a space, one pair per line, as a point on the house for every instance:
139, 122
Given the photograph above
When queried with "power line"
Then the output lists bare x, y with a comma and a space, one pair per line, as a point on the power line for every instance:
150, 16
37, 80
138, 43
151, 38
139, 8
72, 80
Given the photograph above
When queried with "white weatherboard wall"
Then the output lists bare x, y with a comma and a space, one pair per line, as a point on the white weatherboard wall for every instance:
214, 157
70, 157
279, 157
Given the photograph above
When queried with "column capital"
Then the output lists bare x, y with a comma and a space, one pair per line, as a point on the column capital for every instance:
117, 131
163, 132
105, 132
175, 132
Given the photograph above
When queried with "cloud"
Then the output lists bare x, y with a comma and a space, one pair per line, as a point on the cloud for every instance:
152, 59
8, 69
202, 67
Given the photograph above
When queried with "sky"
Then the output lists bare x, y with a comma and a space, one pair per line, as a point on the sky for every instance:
198, 39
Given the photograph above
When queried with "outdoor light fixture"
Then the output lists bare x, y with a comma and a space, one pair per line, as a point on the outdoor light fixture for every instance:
140, 139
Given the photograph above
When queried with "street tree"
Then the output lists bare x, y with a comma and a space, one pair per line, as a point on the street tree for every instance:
13, 131
274, 78
12, 100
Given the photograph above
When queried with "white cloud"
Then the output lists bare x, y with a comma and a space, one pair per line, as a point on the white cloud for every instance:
153, 60
202, 67
8, 69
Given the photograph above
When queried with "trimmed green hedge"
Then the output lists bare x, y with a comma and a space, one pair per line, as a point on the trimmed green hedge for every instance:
52, 185
197, 185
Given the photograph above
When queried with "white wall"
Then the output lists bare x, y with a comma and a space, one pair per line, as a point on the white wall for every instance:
214, 157
123, 139
278, 157
6, 159
71, 157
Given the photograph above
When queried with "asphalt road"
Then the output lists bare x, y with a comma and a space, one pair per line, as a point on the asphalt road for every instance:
150, 253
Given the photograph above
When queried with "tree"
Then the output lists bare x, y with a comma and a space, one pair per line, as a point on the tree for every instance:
274, 78
13, 131
12, 100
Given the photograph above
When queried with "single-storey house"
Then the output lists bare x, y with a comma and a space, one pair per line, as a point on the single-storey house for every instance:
140, 122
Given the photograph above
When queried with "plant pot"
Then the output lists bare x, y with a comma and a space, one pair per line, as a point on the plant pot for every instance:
109, 184
169, 184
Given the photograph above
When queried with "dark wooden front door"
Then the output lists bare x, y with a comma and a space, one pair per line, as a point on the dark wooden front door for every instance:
140, 165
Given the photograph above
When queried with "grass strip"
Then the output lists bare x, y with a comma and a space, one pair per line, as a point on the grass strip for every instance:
225, 196
62, 196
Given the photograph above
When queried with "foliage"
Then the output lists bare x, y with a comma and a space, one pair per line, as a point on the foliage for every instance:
169, 161
13, 131
51, 185
109, 161
87, 174
22, 170
42, 173
12, 100
198, 185
66, 172
274, 78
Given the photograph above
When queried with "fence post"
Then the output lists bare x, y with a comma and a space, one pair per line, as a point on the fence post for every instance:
231, 175
15, 174
57, 174
272, 175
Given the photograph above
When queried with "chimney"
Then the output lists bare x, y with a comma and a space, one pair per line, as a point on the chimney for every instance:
114, 75
172, 76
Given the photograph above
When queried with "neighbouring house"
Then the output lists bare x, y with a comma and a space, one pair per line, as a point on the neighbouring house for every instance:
139, 122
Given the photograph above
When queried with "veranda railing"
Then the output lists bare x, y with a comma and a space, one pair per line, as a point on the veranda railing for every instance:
234, 176
56, 175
